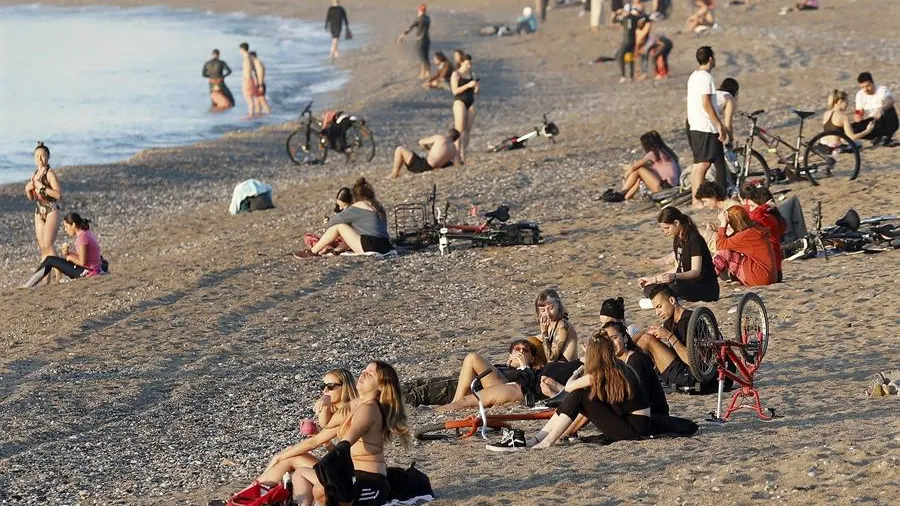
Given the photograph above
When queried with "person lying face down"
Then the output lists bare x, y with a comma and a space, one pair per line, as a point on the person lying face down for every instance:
503, 385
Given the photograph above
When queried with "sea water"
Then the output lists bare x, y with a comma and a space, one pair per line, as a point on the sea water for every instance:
99, 84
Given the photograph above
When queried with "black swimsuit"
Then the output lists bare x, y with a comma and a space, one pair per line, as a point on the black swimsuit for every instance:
467, 97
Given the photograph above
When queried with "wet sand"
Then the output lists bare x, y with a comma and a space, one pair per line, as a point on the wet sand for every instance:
173, 380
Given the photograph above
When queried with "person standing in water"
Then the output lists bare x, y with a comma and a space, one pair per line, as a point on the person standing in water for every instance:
215, 71
335, 20
421, 25
259, 74
248, 80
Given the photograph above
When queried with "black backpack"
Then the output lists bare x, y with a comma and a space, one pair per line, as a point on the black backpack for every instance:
409, 484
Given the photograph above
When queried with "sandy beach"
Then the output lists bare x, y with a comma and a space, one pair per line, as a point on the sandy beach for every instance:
174, 379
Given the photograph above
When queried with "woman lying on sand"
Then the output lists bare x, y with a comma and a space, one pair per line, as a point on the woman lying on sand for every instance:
609, 395
85, 261
692, 276
338, 394
43, 188
658, 169
362, 225
505, 384
746, 254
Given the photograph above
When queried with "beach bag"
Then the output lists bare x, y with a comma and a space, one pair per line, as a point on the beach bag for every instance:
257, 202
409, 486
276, 496
429, 391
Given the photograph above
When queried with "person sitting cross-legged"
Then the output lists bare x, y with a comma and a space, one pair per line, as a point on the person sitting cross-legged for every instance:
504, 385
442, 153
667, 343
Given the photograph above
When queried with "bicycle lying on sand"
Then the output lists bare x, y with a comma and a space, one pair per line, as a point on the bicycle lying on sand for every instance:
414, 230
347, 134
849, 234
548, 129
464, 428
710, 354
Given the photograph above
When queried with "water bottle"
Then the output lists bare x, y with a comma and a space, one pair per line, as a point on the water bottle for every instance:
288, 484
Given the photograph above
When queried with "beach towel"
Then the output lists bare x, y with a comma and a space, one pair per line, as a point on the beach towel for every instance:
248, 188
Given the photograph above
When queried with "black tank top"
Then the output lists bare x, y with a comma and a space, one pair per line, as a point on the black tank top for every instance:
831, 127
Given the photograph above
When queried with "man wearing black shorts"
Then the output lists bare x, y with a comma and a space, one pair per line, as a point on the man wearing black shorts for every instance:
706, 133
667, 343
441, 153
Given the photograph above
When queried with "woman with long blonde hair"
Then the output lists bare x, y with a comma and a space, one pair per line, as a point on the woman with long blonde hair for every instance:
44, 190
609, 394
378, 417
338, 397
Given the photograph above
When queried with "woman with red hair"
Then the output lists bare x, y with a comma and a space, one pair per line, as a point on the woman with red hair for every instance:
746, 255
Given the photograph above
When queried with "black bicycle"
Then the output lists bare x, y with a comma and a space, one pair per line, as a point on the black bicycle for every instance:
849, 234
548, 129
347, 134
826, 154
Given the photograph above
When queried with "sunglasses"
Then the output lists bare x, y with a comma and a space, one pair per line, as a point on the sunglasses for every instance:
330, 386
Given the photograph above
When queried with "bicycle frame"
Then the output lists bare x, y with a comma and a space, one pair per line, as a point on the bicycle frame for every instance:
743, 377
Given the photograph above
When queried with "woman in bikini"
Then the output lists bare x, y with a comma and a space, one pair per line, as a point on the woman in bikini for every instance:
836, 120
338, 398
43, 188
558, 341
378, 417
464, 86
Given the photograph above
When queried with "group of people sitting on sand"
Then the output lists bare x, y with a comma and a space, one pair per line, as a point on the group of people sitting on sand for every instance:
616, 384
82, 259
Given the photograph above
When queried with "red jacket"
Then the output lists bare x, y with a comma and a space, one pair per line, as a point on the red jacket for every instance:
763, 216
758, 267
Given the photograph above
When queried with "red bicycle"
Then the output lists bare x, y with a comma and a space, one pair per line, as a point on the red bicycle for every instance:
710, 354
464, 428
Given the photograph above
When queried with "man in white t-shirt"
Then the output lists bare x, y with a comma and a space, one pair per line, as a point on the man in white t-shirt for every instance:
706, 133
875, 104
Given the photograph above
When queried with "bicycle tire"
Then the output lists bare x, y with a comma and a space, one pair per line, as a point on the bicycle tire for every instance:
753, 333
702, 330
829, 158
505, 145
362, 141
752, 172
302, 154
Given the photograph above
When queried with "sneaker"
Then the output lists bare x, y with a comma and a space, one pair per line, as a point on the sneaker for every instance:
511, 441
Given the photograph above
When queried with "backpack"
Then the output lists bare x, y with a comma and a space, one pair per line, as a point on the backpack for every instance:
409, 485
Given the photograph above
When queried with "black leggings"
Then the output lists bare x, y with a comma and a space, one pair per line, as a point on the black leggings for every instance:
885, 126
603, 416
61, 264
693, 291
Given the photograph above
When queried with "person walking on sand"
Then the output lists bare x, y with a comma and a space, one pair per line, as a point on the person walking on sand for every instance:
421, 25
706, 132
259, 72
335, 20
215, 71
248, 80
44, 190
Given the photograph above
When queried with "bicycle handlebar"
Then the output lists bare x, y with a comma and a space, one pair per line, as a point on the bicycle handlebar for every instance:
307, 109
753, 114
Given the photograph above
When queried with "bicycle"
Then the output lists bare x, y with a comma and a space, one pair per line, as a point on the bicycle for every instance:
849, 234
710, 354
548, 129
309, 144
826, 154
412, 229
465, 428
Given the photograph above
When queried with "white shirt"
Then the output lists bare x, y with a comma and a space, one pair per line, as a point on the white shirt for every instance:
700, 84
870, 104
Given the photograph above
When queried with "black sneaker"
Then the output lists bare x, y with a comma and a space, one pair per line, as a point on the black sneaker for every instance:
512, 440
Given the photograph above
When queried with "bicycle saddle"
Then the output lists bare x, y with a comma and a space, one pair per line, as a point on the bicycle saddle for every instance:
803, 114
850, 220
501, 214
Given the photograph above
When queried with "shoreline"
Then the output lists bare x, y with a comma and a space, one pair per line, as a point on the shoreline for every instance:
175, 378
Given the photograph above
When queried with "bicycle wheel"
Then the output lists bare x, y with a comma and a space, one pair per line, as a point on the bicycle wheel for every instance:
752, 328
360, 142
702, 330
302, 151
758, 169
838, 157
